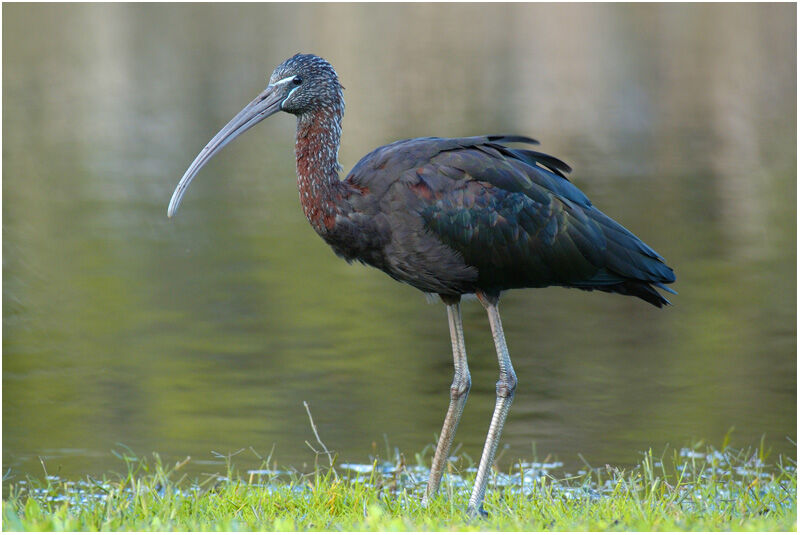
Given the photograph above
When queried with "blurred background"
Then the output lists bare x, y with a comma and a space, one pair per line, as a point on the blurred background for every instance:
206, 332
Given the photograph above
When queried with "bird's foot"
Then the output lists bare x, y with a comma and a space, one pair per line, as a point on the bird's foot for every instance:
477, 512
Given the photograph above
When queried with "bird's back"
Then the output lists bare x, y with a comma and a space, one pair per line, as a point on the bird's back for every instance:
465, 214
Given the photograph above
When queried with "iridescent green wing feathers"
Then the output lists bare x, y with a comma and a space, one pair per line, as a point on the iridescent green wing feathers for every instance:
513, 215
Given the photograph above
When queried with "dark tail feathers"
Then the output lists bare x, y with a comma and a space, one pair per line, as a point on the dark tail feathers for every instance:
642, 290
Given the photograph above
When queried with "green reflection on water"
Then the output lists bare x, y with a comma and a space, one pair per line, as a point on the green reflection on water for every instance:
207, 332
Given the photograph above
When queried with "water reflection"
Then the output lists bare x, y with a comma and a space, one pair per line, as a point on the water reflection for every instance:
207, 332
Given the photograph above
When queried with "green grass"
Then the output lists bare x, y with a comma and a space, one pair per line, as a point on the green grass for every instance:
686, 490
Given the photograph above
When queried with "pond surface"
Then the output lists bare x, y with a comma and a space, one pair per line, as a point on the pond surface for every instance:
207, 332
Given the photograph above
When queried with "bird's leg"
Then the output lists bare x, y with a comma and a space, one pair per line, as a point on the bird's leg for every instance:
505, 395
458, 398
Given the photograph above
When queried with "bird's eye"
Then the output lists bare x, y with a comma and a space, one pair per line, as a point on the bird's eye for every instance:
297, 80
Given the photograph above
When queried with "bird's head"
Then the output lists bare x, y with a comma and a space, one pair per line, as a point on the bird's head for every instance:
310, 83
302, 85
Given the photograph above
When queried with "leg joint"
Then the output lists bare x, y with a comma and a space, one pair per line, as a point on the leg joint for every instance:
506, 385
460, 386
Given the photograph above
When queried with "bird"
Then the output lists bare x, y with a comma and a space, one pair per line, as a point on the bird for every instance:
451, 217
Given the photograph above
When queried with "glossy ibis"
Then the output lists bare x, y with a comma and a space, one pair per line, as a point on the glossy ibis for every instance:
449, 217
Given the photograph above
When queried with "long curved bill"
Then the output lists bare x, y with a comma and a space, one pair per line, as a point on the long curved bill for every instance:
264, 105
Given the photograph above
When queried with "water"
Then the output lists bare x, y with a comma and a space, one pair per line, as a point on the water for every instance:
206, 333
